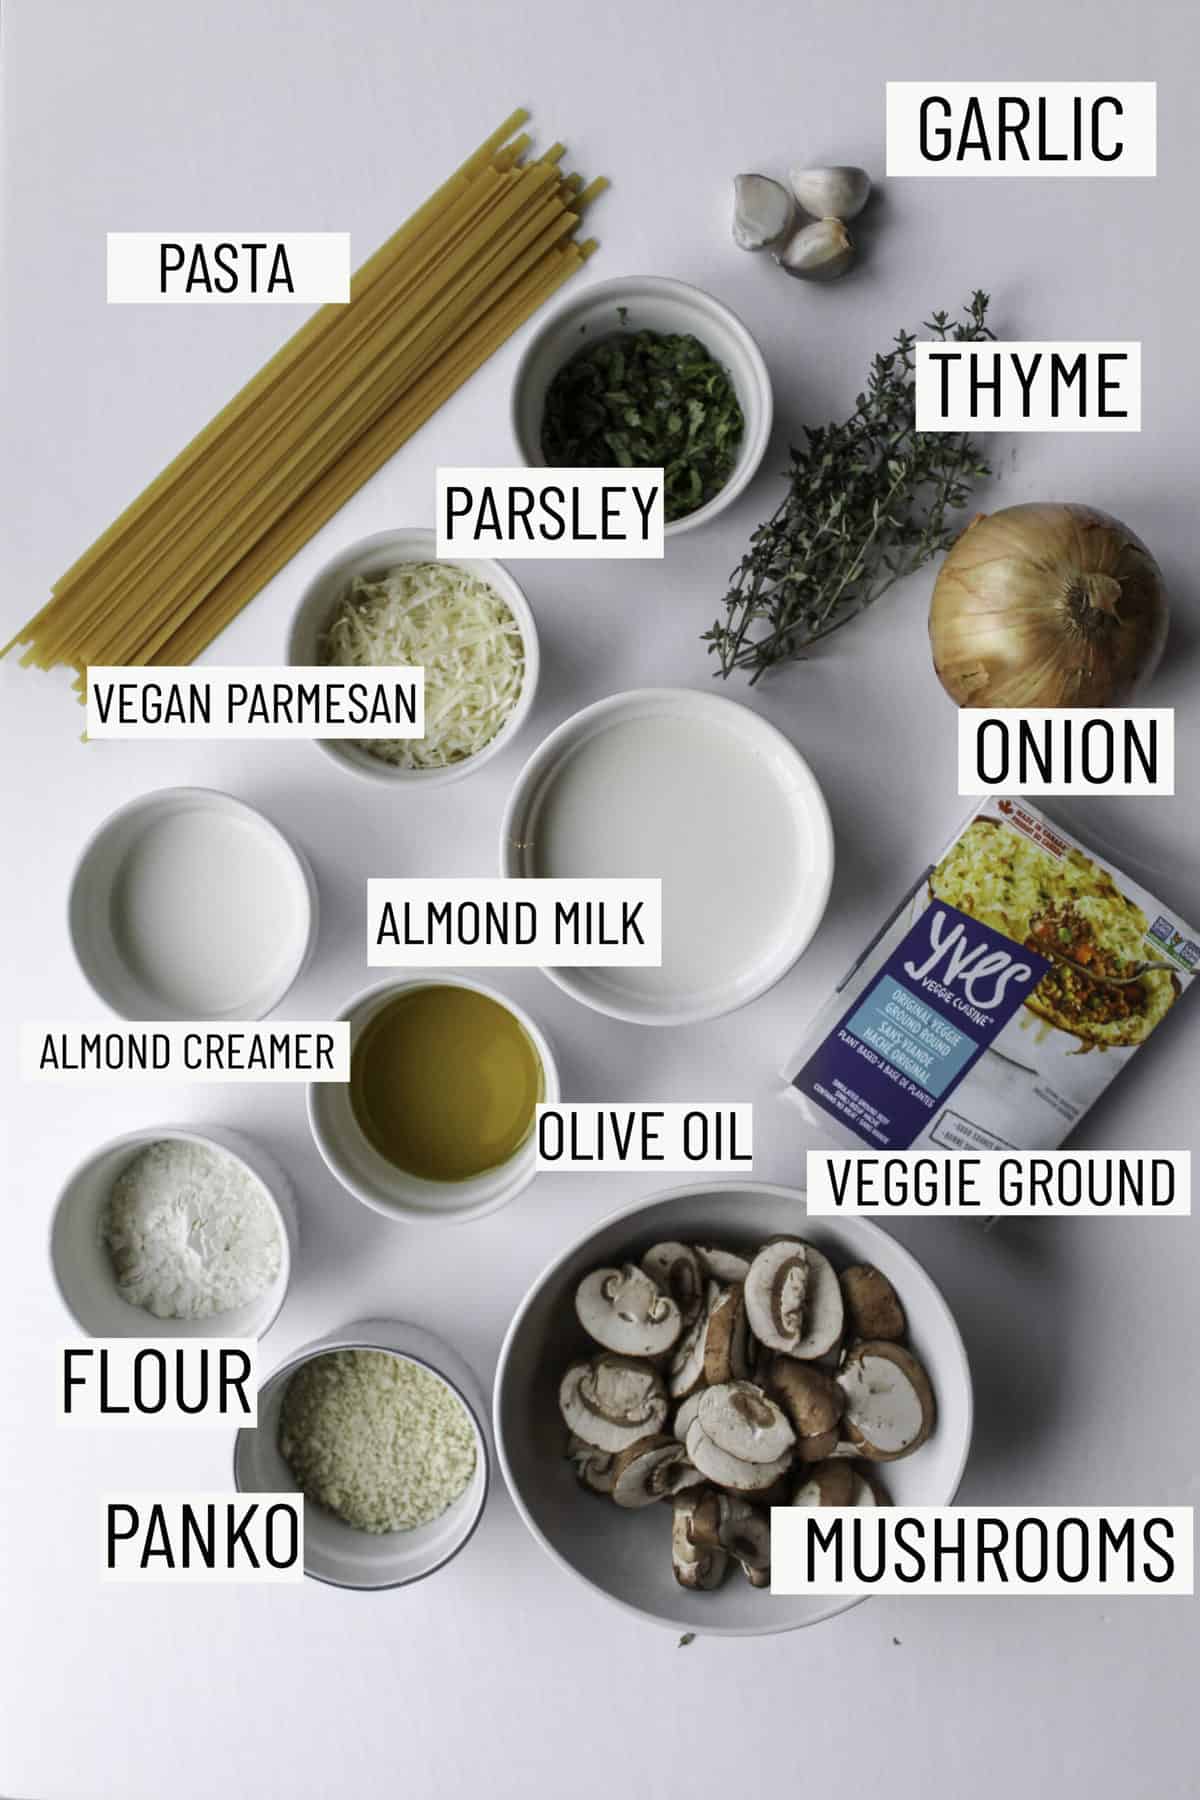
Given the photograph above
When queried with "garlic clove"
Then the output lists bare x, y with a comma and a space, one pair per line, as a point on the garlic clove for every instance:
837, 193
819, 252
763, 212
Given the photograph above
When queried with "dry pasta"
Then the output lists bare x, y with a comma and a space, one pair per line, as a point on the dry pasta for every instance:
328, 410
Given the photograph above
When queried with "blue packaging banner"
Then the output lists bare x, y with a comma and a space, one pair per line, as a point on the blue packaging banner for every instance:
943, 995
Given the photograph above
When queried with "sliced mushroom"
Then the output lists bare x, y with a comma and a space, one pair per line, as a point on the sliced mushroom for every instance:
812, 1401
722, 1264
685, 1413
624, 1310
732, 1471
793, 1299
826, 1484
869, 1490
593, 1468
697, 1564
776, 1286
740, 1419
677, 1271
653, 1468
612, 1401
744, 1534
872, 1306
685, 1372
727, 1338
779, 1493
889, 1402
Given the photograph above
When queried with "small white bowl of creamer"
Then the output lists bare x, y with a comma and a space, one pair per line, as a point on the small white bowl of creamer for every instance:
710, 798
189, 904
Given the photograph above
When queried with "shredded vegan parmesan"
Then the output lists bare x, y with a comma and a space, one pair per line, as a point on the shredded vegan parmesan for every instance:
452, 624
380, 1441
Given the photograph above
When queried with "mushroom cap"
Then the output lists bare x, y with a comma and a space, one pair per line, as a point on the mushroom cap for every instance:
794, 1300
593, 1468
685, 1372
866, 1478
744, 1532
685, 1412
890, 1408
653, 1468
732, 1471
809, 1396
722, 1264
740, 1419
727, 1338
873, 1308
826, 1484
677, 1271
612, 1401
625, 1311
704, 1518
697, 1563
816, 1449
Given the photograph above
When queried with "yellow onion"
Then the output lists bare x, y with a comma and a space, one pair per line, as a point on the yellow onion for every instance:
1047, 605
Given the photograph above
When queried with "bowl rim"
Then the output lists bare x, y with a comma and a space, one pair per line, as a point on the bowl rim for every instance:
699, 300
177, 797
326, 1346
834, 1605
550, 750
499, 576
399, 1210
214, 1137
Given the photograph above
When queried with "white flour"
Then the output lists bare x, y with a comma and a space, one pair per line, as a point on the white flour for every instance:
190, 1232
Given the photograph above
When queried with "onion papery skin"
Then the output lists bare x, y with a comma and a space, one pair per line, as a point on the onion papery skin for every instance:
1047, 604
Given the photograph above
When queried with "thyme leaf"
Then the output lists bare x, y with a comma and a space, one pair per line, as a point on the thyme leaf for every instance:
869, 501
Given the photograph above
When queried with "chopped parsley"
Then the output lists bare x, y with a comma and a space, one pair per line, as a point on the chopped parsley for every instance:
645, 399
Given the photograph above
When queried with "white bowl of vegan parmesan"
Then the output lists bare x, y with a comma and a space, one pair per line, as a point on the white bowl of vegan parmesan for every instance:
174, 1232
383, 1429
388, 601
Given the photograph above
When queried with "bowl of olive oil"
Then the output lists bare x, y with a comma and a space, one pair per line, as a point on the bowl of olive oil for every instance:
437, 1122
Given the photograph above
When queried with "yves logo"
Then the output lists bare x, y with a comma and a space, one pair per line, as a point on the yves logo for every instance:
981, 972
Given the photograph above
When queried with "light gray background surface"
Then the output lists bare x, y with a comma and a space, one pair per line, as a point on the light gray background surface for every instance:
502, 1676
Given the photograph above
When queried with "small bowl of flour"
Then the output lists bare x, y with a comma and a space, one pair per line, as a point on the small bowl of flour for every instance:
174, 1233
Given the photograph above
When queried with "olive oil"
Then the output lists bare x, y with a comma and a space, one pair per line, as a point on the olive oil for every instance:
444, 1083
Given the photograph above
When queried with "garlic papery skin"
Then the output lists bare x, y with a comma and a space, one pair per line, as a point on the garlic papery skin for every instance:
763, 212
819, 252
837, 193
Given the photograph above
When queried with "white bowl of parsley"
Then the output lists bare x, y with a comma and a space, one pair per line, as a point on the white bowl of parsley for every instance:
644, 372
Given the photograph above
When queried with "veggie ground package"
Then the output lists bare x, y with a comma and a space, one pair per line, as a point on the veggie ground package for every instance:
562, 1043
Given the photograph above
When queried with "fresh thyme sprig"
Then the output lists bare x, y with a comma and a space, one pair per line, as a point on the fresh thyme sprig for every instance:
869, 501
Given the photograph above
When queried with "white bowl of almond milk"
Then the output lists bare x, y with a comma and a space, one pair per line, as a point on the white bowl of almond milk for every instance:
712, 799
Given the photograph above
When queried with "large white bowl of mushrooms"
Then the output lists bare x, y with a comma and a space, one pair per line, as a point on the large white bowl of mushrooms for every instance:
703, 1357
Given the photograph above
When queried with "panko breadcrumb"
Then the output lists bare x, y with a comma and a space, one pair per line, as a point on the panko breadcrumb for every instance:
378, 1440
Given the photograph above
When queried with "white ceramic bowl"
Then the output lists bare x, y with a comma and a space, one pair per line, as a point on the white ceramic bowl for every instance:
137, 862
653, 303
626, 1554
334, 1551
374, 556
735, 917
81, 1265
377, 1182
